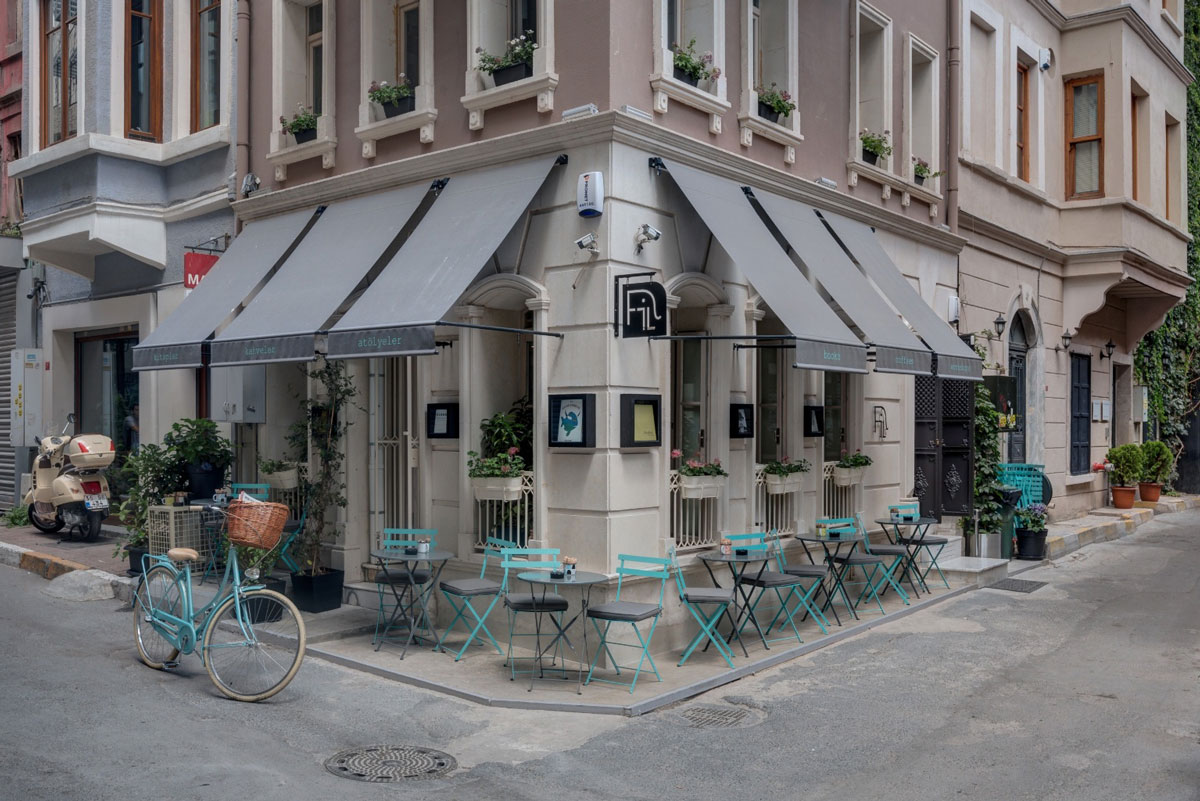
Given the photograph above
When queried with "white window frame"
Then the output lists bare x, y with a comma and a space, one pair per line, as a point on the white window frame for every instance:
787, 131
709, 98
976, 12
481, 92
1024, 49
915, 44
289, 44
876, 16
372, 124
311, 42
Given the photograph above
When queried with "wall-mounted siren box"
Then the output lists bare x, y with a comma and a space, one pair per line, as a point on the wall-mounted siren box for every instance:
589, 195
952, 310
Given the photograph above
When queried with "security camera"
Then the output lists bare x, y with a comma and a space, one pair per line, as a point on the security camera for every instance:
587, 242
250, 184
646, 233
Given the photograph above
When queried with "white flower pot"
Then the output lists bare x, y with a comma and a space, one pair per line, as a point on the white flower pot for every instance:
283, 480
848, 476
497, 488
693, 487
782, 485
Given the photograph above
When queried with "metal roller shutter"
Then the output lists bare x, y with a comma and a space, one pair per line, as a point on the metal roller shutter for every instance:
8, 342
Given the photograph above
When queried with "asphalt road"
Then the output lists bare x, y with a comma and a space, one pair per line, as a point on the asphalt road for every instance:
1085, 689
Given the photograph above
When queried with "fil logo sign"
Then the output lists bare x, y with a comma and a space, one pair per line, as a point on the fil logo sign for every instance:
195, 267
643, 310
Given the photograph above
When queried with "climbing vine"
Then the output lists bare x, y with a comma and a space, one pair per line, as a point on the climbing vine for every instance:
1166, 360
987, 464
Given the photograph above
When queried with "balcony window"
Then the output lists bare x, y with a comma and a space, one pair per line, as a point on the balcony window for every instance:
873, 62
1085, 137
490, 26
315, 61
922, 122
396, 40
206, 63
1021, 121
303, 58
60, 70
143, 70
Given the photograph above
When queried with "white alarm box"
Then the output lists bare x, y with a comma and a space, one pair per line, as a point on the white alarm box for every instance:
589, 195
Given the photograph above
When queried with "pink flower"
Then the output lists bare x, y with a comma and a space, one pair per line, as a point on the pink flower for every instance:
513, 451
714, 73
717, 462
505, 469
675, 454
693, 463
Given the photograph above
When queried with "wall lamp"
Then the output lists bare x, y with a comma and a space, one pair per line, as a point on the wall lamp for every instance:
1066, 338
999, 323
1109, 347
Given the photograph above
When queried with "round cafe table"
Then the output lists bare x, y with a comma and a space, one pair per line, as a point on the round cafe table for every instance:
542, 578
912, 542
739, 566
838, 575
436, 560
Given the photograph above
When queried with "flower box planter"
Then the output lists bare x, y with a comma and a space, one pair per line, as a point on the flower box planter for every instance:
848, 476
517, 72
695, 487
680, 75
1031, 545
767, 113
308, 135
920, 179
497, 488
782, 485
401, 106
870, 157
283, 480
1149, 491
1123, 497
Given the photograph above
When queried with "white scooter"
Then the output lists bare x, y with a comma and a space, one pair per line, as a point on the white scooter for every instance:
69, 487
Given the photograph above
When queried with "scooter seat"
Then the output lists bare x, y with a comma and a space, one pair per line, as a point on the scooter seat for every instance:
183, 555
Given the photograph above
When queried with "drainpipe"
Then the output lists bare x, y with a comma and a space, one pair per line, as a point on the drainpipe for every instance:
242, 104
954, 135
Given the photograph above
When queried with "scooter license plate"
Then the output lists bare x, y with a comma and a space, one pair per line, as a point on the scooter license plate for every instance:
95, 502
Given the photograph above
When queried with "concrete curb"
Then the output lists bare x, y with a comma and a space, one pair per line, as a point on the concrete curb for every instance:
1103, 525
51, 567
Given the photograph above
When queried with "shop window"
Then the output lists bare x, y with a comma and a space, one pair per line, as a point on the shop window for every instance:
922, 123
1085, 137
303, 60
206, 63
396, 44
1081, 414
676, 24
873, 62
836, 392
490, 26
1172, 178
60, 70
690, 394
106, 388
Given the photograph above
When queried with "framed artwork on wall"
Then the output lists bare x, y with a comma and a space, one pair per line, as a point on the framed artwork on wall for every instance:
741, 421
573, 420
641, 421
441, 421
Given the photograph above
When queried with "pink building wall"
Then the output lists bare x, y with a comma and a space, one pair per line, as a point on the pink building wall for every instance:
11, 75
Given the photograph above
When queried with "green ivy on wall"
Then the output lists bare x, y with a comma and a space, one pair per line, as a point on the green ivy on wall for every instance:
987, 464
1166, 359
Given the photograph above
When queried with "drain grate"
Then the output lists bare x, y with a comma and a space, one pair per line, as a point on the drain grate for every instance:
390, 763
704, 716
1017, 585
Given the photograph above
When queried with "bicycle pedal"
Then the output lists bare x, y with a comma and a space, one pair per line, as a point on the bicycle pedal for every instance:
170, 665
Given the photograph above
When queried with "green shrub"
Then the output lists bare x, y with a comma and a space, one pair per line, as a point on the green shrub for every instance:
1127, 464
1158, 462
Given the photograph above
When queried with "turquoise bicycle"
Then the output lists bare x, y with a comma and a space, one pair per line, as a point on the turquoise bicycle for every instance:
251, 639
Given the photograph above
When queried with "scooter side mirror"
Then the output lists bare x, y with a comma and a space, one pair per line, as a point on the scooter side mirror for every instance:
70, 417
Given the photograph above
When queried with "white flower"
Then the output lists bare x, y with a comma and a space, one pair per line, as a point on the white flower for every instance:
535, 45
522, 37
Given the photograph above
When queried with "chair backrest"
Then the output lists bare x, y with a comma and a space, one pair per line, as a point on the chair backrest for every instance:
680, 582
738, 539
907, 508
259, 492
408, 537
860, 524
494, 549
655, 567
518, 559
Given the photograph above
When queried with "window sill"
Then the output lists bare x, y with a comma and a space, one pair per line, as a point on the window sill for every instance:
752, 124
1081, 480
668, 87
163, 153
540, 86
323, 146
1171, 23
856, 168
372, 132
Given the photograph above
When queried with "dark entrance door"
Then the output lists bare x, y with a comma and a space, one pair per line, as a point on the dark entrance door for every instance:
1018, 347
943, 469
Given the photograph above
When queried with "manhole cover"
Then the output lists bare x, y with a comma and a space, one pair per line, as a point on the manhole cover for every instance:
718, 717
390, 763
1017, 585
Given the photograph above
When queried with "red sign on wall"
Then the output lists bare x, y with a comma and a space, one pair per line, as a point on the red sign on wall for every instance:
195, 267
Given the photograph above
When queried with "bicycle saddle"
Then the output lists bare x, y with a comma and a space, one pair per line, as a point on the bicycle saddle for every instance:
183, 555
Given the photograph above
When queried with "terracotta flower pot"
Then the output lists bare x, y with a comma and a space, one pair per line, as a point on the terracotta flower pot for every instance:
1150, 492
1123, 497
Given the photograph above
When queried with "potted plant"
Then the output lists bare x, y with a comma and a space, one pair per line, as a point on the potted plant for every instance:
496, 478
396, 98
921, 171
1031, 532
699, 478
204, 455
785, 476
1126, 471
320, 433
279, 473
151, 474
691, 68
515, 64
302, 125
1156, 469
874, 145
850, 468
774, 103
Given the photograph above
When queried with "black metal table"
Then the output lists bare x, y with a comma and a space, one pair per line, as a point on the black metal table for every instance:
582, 578
911, 543
392, 556
838, 575
738, 565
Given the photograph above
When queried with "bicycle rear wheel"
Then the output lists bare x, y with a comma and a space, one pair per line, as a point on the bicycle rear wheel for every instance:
253, 655
159, 590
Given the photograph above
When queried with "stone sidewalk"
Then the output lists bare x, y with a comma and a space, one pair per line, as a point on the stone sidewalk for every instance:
1106, 524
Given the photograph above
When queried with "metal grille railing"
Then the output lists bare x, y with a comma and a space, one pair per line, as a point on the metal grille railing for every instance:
838, 501
777, 512
694, 521
507, 520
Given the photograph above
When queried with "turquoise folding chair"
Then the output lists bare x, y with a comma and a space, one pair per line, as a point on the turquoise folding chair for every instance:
259, 492
293, 531
805, 596
535, 603
398, 588
877, 569
631, 612
891, 549
707, 605
460, 592
929, 542
775, 580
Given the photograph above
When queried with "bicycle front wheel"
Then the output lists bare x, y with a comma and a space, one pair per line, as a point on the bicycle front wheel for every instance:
252, 649
158, 590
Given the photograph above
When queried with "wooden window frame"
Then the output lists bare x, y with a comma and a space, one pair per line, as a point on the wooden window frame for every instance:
1133, 140
1070, 141
199, 9
64, 79
402, 54
1023, 121
156, 73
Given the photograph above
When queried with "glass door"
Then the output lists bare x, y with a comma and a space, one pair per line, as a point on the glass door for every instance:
106, 389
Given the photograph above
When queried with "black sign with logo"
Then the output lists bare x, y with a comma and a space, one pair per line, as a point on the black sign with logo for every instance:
643, 310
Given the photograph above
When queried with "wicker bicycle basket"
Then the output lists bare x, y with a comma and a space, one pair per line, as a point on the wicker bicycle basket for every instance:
256, 525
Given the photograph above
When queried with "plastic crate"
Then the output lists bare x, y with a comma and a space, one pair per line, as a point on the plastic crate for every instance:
1026, 477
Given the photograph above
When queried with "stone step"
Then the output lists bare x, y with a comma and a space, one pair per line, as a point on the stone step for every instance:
972, 571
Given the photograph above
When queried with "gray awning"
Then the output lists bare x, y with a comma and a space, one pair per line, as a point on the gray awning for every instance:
896, 349
823, 342
435, 266
955, 359
180, 339
349, 239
